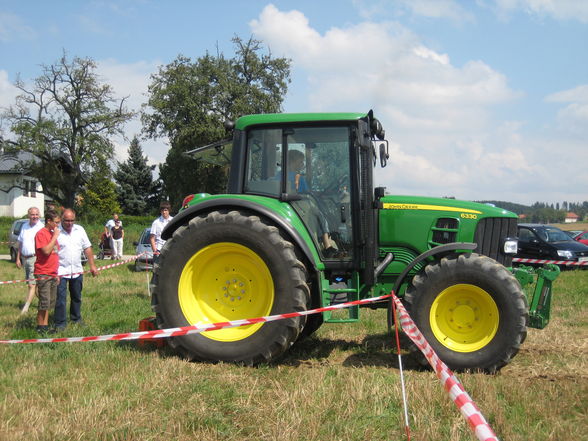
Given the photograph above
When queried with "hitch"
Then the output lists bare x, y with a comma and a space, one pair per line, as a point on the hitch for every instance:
536, 282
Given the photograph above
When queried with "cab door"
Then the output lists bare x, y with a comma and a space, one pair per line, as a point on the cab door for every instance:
319, 188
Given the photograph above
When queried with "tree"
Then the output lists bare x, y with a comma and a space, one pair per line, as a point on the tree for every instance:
137, 192
190, 101
98, 200
65, 121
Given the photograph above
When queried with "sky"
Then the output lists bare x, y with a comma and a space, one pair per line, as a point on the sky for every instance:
480, 99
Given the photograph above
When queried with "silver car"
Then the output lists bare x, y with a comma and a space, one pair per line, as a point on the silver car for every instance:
145, 261
13, 237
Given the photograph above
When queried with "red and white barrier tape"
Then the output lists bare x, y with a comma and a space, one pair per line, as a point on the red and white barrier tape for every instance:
451, 384
99, 268
456, 391
556, 262
194, 329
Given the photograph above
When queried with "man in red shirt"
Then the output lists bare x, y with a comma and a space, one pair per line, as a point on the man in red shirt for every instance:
46, 266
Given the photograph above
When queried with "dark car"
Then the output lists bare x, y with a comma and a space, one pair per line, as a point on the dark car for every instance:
538, 241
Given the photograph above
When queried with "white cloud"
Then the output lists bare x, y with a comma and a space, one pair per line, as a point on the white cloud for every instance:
132, 81
557, 9
436, 9
8, 95
8, 92
579, 93
443, 121
12, 28
574, 116
384, 65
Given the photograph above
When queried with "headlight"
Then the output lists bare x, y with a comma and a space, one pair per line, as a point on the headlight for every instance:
511, 246
565, 253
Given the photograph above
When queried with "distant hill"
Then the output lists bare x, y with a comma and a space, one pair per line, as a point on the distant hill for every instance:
510, 206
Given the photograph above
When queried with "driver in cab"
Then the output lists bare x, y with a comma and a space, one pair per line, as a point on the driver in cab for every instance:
296, 181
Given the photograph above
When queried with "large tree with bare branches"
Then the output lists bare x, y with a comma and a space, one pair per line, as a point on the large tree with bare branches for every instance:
65, 119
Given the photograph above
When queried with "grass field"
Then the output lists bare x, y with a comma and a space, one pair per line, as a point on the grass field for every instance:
341, 384
572, 226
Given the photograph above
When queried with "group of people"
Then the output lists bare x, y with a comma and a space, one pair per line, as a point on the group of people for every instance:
51, 255
113, 230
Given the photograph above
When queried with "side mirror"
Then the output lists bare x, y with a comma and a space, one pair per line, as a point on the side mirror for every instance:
384, 155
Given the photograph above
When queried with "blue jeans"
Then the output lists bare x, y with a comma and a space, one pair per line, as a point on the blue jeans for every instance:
75, 307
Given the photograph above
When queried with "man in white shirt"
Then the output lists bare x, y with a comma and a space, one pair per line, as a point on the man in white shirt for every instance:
73, 240
157, 227
25, 255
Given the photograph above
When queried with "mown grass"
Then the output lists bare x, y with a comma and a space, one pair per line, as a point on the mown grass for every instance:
341, 384
572, 226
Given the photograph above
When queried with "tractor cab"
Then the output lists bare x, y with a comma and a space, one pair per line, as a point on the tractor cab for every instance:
321, 166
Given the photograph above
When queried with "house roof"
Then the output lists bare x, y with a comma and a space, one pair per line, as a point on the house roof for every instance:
571, 215
9, 162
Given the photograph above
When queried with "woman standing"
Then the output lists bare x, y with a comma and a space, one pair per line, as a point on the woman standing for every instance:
117, 233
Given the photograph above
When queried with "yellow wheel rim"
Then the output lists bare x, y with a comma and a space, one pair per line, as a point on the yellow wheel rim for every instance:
223, 282
464, 318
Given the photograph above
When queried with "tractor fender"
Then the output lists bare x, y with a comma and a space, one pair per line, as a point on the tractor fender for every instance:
437, 251
186, 215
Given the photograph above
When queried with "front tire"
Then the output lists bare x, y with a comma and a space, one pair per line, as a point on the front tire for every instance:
226, 266
471, 310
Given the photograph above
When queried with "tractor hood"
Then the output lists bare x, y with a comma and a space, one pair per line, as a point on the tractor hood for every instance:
421, 223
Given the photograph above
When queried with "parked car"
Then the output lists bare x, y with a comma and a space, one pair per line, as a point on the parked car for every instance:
572, 233
143, 247
538, 241
13, 237
582, 237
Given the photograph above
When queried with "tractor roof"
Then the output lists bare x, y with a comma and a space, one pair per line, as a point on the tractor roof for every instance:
271, 118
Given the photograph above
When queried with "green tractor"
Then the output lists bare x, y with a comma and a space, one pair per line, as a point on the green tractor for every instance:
302, 227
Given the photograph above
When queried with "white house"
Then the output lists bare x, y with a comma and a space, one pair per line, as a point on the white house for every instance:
571, 218
18, 192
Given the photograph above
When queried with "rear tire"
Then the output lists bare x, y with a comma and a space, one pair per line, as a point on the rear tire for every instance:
228, 266
12, 255
471, 310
